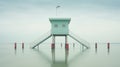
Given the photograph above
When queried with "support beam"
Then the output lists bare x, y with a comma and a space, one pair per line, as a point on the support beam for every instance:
53, 42
66, 39
66, 43
79, 41
41, 41
53, 39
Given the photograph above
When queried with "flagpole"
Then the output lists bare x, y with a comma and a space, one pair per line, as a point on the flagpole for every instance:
56, 9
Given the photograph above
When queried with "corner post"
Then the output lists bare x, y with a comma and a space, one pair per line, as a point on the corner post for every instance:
66, 43
53, 42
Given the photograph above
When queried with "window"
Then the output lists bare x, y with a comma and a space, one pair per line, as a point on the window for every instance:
63, 25
55, 25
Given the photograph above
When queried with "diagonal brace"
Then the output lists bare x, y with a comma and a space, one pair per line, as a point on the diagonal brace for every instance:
41, 41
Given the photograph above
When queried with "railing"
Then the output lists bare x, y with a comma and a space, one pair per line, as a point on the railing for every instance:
80, 40
41, 39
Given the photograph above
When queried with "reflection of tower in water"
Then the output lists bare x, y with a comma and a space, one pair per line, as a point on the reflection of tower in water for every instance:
59, 63
66, 55
53, 55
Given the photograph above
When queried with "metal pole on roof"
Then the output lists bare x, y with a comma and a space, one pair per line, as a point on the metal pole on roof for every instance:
56, 9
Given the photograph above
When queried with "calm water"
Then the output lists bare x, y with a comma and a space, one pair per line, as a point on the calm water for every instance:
45, 57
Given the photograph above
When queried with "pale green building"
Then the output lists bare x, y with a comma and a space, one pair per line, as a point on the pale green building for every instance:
60, 26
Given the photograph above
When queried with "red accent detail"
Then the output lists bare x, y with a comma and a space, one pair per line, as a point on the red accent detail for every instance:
52, 45
67, 46
15, 45
108, 45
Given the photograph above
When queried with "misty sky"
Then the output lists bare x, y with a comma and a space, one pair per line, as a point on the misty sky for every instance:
92, 20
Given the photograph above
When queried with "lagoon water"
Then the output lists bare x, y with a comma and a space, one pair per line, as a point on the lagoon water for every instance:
44, 56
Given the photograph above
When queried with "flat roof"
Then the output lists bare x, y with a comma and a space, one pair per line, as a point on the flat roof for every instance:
59, 18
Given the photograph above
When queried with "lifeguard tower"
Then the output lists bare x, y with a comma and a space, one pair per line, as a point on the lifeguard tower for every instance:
60, 27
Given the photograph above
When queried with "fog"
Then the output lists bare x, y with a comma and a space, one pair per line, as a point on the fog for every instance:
27, 20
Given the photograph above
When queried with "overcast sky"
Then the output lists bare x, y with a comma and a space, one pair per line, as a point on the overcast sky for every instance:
92, 20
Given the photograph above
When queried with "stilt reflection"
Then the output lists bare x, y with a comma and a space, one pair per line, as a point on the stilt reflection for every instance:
108, 51
53, 55
66, 55
15, 51
59, 63
95, 50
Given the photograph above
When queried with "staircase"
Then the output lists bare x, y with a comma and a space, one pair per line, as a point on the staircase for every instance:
48, 35
41, 39
79, 40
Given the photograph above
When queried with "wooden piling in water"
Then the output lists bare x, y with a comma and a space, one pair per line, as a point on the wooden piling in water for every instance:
95, 45
15, 45
22, 45
108, 45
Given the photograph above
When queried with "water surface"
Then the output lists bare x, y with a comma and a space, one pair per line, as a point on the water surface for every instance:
44, 56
